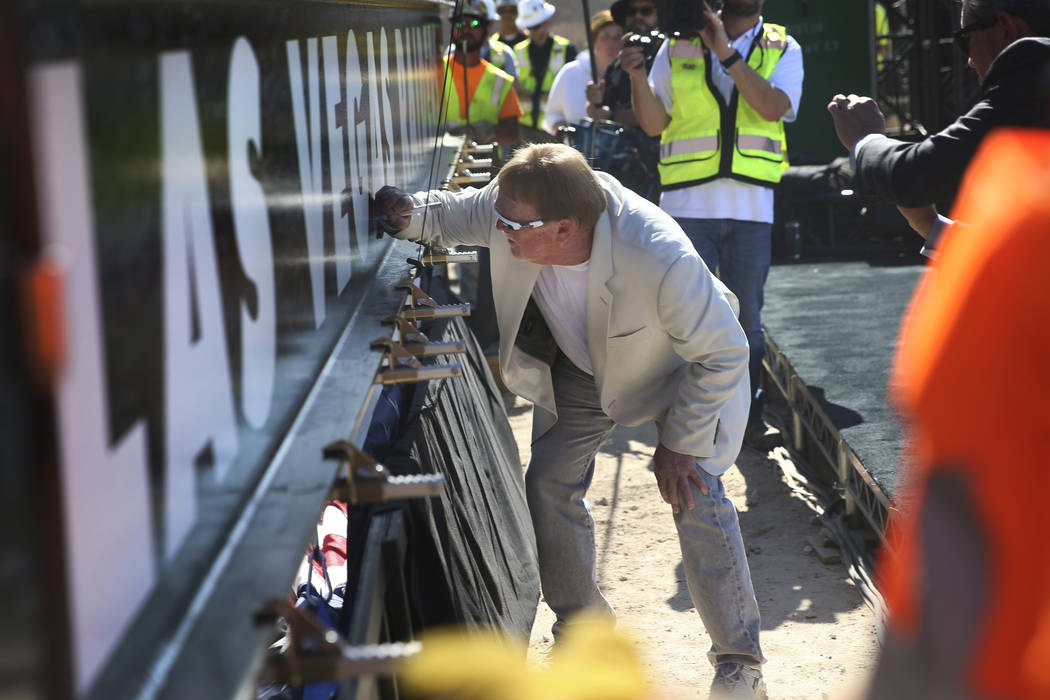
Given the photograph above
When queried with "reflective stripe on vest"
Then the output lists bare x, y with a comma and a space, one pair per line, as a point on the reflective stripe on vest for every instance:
498, 52
529, 82
757, 143
486, 101
684, 147
691, 147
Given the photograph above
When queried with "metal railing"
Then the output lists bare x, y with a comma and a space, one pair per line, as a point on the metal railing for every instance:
815, 435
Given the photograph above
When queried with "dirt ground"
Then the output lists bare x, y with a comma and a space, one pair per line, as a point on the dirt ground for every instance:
818, 634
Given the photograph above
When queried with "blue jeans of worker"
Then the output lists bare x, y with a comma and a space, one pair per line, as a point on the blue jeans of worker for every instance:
739, 253
556, 483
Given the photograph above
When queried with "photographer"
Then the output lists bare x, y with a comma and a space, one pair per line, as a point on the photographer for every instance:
719, 96
567, 102
611, 98
539, 59
490, 111
634, 155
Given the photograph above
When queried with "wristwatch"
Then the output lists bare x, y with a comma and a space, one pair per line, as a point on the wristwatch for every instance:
733, 58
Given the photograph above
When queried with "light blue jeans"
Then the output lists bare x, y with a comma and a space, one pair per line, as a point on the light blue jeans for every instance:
739, 253
556, 483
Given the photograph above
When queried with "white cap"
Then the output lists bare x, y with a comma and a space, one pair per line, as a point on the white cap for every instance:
533, 12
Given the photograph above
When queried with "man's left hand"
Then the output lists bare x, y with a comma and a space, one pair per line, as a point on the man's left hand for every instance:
674, 471
855, 117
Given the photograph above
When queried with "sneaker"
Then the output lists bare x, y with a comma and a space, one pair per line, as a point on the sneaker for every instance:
737, 681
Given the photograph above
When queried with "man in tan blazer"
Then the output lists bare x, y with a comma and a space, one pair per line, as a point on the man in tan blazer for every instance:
607, 315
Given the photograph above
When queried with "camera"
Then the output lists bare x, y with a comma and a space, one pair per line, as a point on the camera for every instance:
684, 18
650, 43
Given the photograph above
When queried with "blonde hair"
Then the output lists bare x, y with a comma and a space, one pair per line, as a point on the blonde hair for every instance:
600, 21
556, 180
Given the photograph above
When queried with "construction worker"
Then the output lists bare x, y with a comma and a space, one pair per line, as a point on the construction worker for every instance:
509, 34
488, 91
883, 43
539, 59
497, 52
719, 98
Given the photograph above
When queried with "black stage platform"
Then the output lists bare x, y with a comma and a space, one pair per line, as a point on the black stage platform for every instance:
836, 323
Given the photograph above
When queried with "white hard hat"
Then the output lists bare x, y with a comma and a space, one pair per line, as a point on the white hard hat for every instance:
479, 8
533, 12
490, 5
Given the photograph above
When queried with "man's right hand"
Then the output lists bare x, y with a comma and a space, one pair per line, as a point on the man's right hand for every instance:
389, 203
714, 34
855, 117
632, 60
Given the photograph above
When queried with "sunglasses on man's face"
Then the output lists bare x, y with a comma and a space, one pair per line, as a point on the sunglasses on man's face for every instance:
962, 35
507, 10
467, 22
643, 10
516, 226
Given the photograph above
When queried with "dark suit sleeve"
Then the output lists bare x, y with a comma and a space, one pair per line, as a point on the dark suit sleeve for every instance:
914, 174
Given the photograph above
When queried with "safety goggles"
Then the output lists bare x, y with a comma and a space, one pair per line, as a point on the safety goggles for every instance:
962, 35
467, 22
643, 10
514, 225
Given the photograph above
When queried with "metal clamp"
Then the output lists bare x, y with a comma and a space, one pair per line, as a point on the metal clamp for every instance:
406, 332
368, 481
440, 256
421, 306
315, 653
415, 342
470, 161
480, 149
466, 177
402, 367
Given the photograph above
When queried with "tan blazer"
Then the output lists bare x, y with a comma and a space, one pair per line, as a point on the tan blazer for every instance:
663, 336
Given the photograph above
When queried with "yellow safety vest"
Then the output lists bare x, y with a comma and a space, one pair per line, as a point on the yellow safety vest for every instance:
486, 101
692, 148
539, 86
882, 30
498, 53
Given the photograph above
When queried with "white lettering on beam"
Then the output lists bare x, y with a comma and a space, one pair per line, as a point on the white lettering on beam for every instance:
389, 147
437, 105
198, 408
251, 224
405, 105
380, 112
105, 491
338, 117
308, 144
357, 129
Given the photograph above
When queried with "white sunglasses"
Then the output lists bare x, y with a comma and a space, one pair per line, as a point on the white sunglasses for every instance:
515, 226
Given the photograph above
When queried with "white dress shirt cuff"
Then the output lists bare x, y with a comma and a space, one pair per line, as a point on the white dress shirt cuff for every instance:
929, 249
859, 145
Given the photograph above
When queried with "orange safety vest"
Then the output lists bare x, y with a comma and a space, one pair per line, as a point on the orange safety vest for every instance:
970, 376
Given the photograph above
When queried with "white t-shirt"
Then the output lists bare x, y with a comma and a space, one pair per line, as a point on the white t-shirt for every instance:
725, 198
561, 294
567, 100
